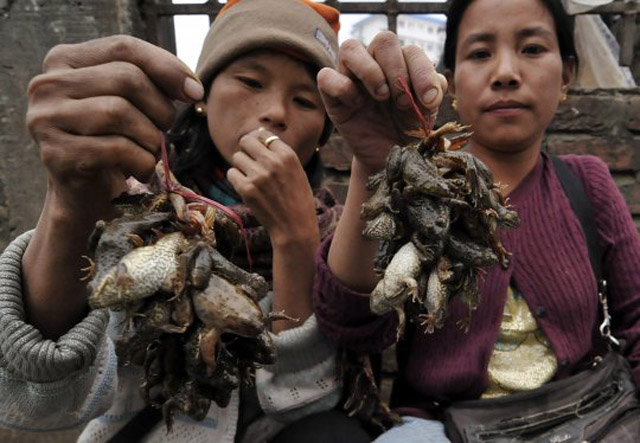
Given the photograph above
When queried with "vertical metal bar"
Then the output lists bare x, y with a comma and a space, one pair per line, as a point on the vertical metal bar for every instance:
151, 19
216, 7
166, 30
392, 15
629, 25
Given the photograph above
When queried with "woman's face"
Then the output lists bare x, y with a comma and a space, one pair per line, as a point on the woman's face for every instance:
509, 74
265, 89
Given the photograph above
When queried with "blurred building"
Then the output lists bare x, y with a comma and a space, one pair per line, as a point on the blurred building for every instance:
426, 31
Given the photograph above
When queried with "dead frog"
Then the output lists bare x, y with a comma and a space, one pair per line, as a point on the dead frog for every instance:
110, 241
141, 273
398, 283
437, 295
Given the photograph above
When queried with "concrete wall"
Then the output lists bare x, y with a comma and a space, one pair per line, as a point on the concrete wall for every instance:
28, 29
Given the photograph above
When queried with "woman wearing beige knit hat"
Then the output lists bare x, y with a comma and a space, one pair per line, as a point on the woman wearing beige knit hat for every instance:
249, 139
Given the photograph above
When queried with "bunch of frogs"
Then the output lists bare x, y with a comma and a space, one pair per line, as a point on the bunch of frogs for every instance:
190, 316
436, 213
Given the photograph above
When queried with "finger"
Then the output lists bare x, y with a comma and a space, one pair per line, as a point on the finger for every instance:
338, 90
245, 164
85, 157
111, 79
426, 82
241, 184
98, 116
164, 69
357, 63
385, 49
257, 144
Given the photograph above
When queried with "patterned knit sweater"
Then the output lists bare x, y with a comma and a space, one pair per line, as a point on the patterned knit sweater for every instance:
550, 265
75, 382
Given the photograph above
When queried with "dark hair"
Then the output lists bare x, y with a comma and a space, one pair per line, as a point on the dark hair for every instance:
562, 20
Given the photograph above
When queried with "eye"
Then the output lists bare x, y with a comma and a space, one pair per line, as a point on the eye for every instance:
305, 103
250, 82
534, 49
479, 54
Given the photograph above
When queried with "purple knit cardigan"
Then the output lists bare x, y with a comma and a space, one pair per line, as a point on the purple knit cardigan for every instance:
550, 266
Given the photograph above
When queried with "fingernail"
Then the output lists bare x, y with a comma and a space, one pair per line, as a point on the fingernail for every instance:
261, 128
429, 96
382, 91
403, 101
193, 89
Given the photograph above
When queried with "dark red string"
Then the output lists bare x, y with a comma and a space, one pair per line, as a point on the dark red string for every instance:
171, 187
426, 124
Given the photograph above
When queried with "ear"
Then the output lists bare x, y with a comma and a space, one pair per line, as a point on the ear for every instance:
448, 73
568, 73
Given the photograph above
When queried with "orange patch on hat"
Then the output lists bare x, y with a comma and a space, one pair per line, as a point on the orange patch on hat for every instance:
330, 14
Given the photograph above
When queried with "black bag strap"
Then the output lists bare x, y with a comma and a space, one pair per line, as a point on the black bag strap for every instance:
581, 206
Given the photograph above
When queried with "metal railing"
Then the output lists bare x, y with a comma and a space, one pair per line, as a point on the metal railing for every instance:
158, 16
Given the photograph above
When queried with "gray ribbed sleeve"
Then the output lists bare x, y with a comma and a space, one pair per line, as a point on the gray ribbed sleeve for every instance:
45, 384
23, 349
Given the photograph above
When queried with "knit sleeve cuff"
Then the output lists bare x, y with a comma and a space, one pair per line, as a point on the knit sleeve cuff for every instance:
300, 348
305, 376
24, 352
344, 315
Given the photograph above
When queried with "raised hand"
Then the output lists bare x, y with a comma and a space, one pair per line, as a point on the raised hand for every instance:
365, 100
96, 113
268, 175
272, 182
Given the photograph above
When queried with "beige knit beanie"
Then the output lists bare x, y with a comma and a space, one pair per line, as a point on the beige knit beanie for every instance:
301, 28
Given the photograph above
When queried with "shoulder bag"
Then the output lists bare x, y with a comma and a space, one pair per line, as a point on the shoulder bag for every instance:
599, 404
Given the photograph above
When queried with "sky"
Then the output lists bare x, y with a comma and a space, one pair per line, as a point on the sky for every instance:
192, 29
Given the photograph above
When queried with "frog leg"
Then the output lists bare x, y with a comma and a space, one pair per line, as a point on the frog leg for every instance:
182, 314
179, 206
428, 321
153, 371
208, 231
411, 286
208, 347
135, 239
90, 269
280, 315
194, 268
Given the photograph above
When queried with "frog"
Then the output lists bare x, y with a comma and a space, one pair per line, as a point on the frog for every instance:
437, 295
110, 241
398, 283
141, 273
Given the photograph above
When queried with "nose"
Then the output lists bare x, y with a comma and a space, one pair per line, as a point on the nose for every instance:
506, 74
273, 113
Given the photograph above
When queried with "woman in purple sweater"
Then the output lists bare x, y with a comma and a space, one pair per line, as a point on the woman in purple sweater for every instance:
509, 66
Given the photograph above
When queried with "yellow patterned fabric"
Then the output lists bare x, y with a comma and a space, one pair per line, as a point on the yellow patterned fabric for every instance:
522, 357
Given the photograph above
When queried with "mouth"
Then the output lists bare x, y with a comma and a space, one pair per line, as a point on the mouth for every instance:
506, 107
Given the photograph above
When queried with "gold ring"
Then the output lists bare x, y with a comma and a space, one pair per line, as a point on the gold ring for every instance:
270, 139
